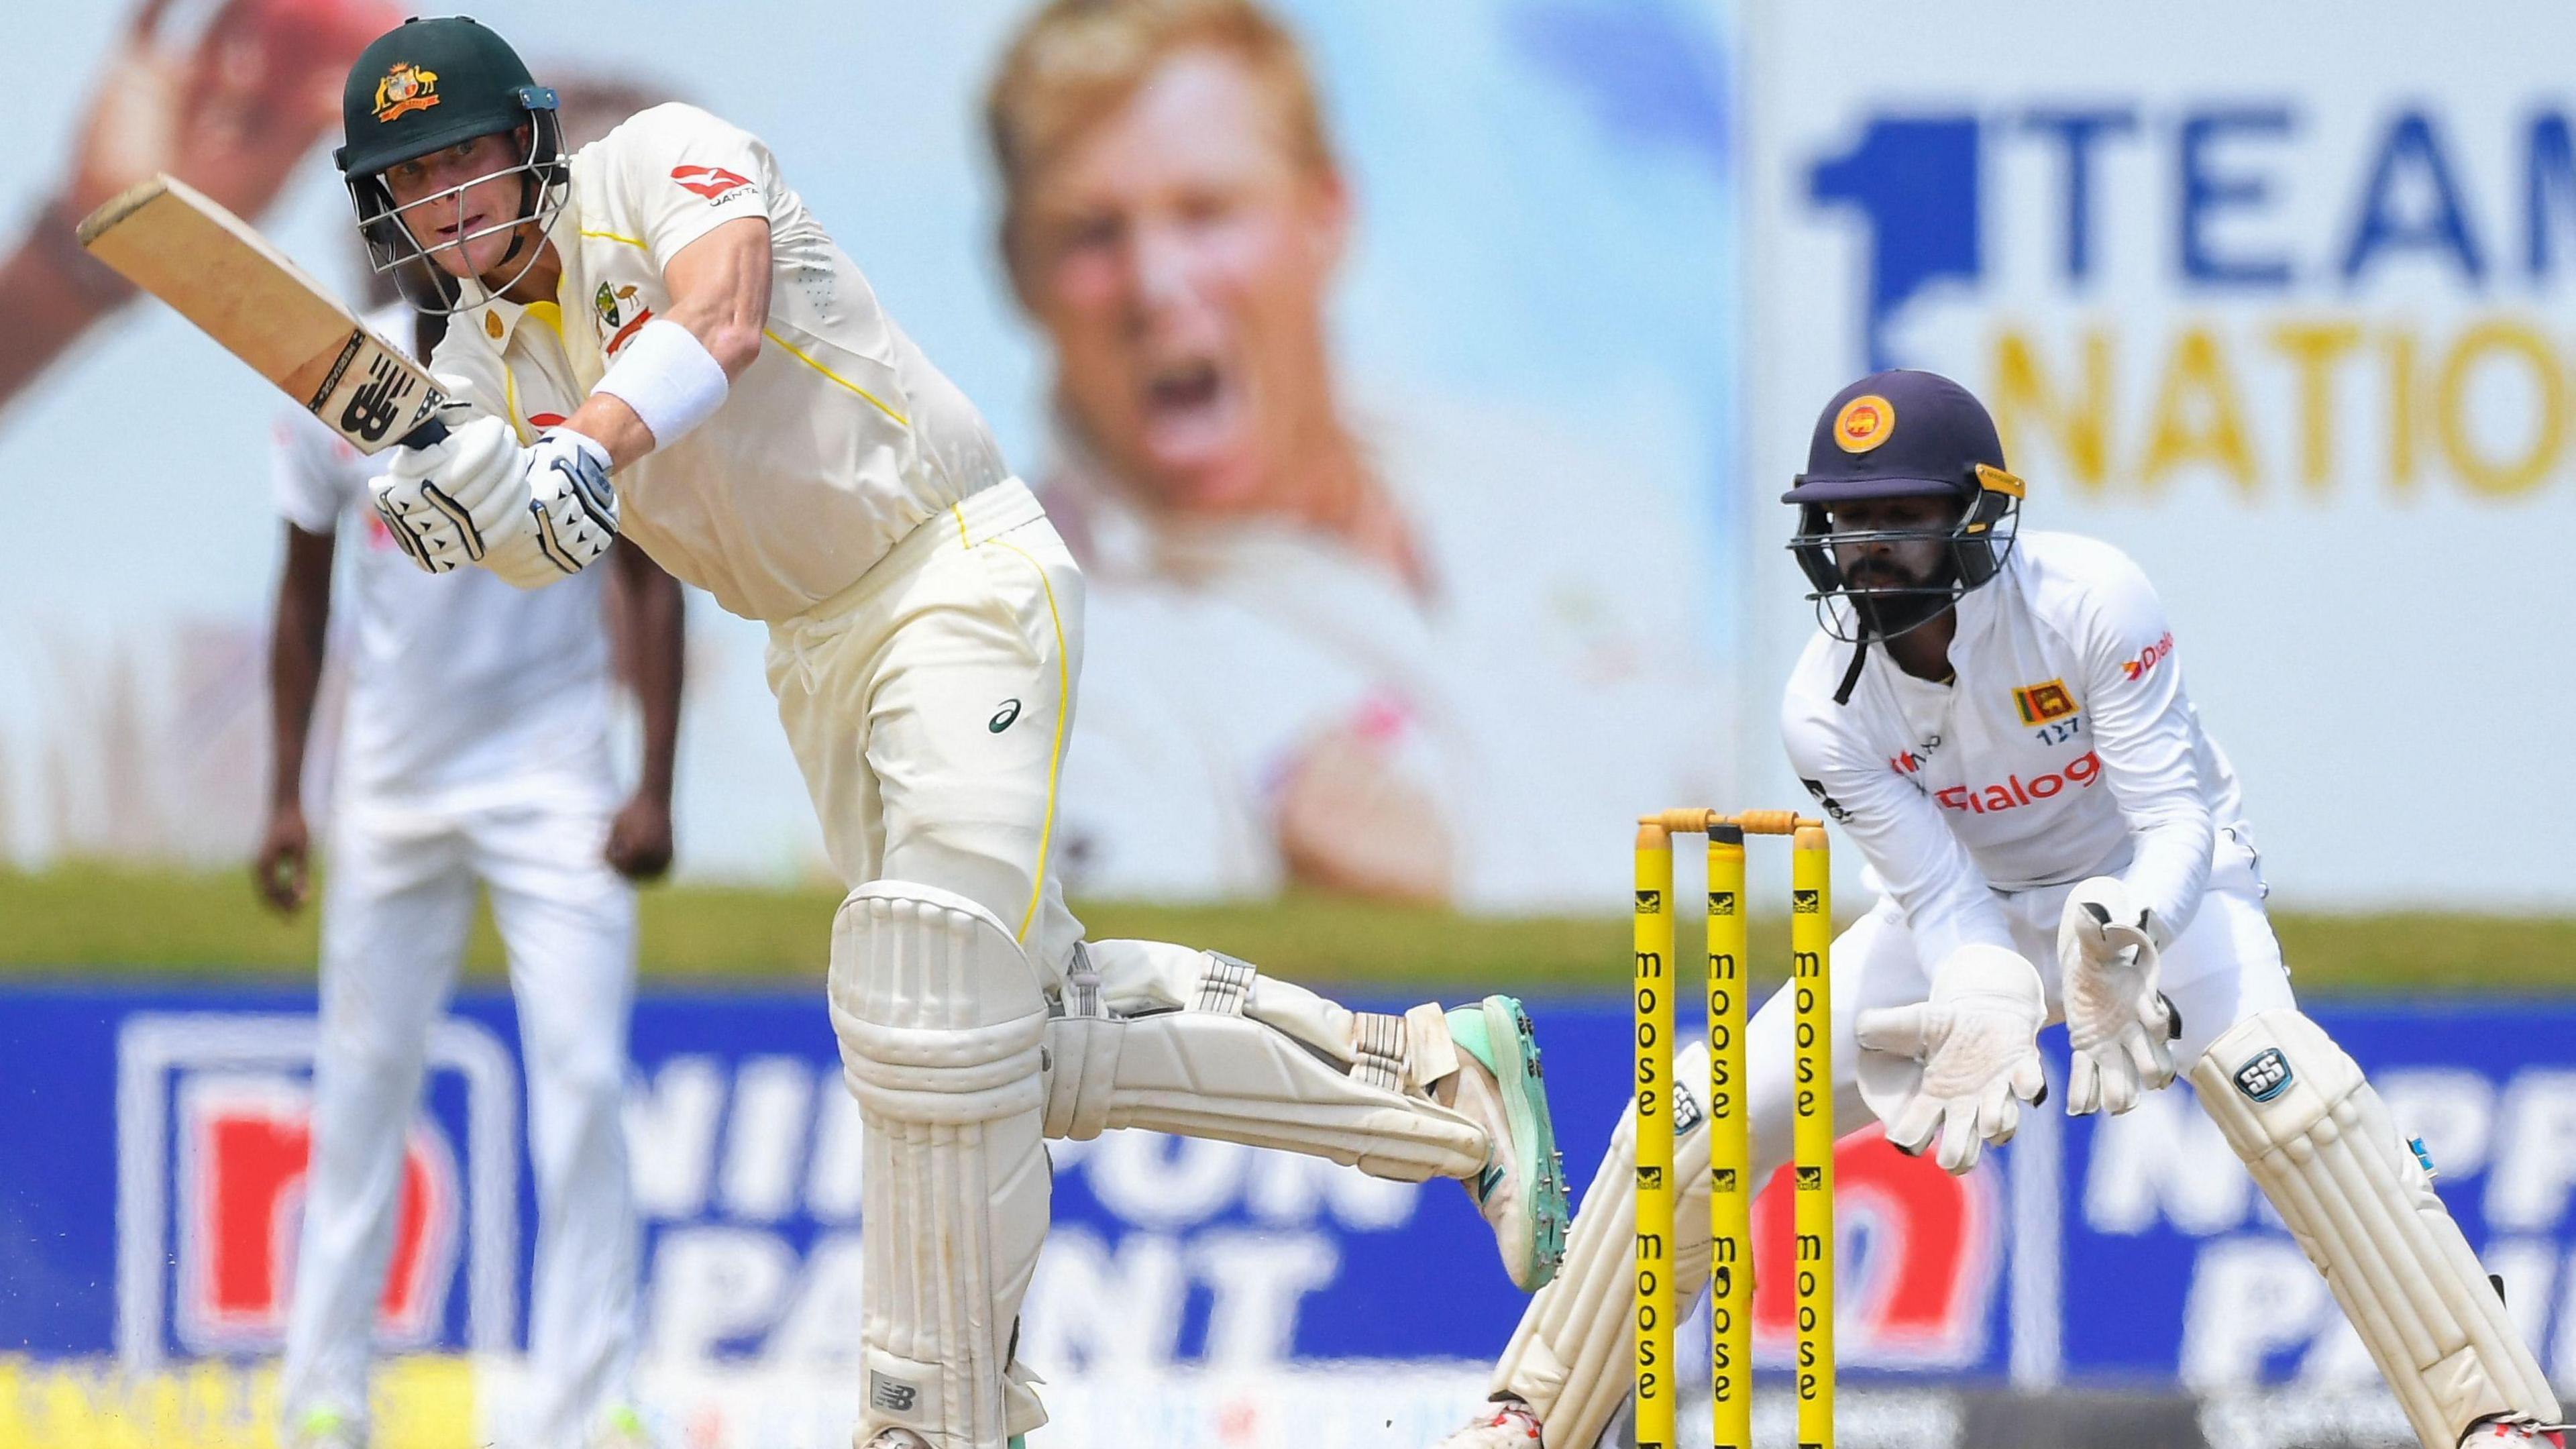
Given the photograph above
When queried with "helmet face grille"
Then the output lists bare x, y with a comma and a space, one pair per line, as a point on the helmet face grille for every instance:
392, 233
1978, 546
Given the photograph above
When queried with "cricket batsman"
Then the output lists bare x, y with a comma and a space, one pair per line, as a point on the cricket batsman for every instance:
653, 338
1998, 719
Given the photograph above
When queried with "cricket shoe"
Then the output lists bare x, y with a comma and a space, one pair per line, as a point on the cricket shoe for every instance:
327, 1429
906, 1439
623, 1428
1502, 1424
2510, 1432
1521, 1191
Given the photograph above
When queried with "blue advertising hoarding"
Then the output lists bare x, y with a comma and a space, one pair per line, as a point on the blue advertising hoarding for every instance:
151, 1154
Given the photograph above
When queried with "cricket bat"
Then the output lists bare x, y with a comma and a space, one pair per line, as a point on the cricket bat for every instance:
213, 269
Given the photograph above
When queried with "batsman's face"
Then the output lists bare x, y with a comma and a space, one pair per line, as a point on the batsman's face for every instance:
1177, 253
1896, 543
459, 203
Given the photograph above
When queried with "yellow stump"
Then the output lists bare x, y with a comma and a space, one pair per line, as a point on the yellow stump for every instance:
1730, 1149
1811, 937
1654, 1297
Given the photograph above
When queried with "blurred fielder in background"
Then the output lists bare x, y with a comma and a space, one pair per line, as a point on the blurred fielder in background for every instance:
662, 306
1315, 652
1998, 719
476, 748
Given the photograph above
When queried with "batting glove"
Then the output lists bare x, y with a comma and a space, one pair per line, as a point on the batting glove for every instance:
573, 502
448, 503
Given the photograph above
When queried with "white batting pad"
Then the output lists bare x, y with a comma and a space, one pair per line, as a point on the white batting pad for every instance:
941, 1024
1570, 1356
1211, 1070
2362, 1205
1232, 1079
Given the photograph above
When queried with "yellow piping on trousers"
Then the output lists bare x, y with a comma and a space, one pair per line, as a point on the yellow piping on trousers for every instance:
1063, 701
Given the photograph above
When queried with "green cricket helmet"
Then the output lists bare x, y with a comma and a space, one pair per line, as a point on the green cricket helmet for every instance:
421, 87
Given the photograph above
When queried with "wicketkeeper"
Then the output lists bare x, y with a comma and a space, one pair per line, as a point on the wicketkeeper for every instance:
653, 336
1998, 719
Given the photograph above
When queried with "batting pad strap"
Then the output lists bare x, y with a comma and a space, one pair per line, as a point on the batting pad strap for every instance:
1377, 1043
669, 378
2322, 1146
1225, 986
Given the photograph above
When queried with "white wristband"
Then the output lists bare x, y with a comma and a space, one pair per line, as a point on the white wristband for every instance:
669, 378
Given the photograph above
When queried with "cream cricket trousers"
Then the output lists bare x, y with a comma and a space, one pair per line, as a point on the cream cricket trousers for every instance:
929, 704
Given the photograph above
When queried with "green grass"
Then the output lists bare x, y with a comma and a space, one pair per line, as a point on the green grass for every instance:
90, 921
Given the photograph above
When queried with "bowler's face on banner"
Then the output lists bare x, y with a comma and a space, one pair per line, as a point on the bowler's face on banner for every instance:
1177, 254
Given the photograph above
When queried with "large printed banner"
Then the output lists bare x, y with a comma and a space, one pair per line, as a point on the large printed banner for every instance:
1383, 404
2279, 306
151, 1166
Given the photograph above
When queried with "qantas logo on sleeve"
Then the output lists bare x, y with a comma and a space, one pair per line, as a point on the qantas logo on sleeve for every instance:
714, 183
2148, 658
2016, 792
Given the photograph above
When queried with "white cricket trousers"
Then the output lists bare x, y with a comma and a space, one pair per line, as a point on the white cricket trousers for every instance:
396, 907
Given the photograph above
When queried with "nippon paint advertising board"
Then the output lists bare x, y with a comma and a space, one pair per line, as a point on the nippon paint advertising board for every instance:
2281, 300
151, 1161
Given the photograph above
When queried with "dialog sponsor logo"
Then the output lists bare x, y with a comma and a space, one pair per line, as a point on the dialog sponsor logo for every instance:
2015, 792
2148, 658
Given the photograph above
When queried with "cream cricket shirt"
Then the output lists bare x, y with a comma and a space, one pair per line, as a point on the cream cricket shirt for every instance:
2064, 747
838, 441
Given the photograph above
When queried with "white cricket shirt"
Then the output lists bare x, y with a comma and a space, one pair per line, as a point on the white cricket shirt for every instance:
2063, 747
461, 687
839, 439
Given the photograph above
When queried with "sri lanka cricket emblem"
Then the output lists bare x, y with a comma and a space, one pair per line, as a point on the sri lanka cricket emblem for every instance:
1864, 423
405, 88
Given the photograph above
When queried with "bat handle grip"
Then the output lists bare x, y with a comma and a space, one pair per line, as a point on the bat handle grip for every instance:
431, 432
